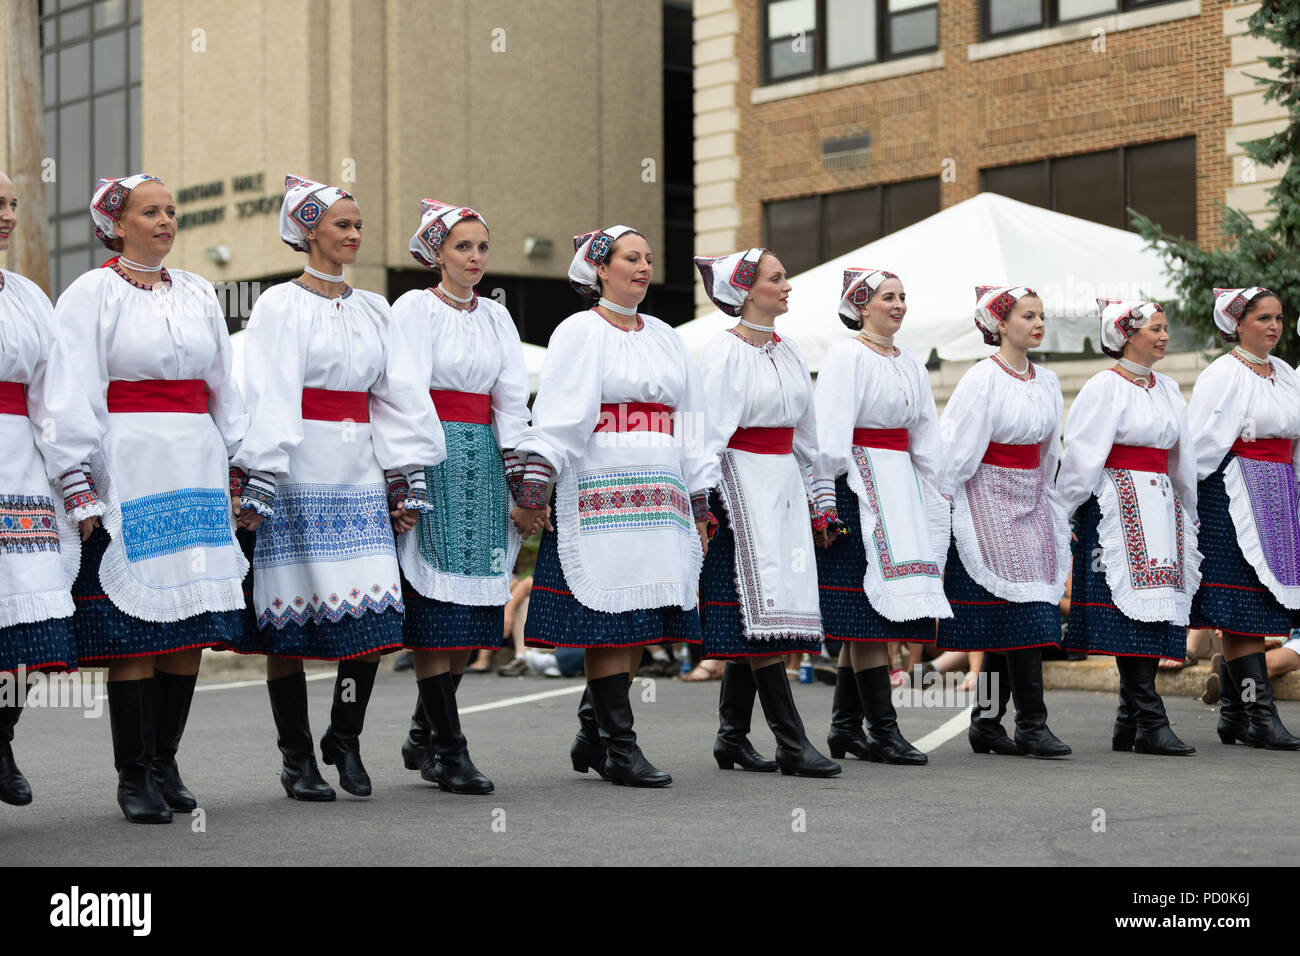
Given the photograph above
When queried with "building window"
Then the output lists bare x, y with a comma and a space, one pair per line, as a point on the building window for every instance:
806, 37
1156, 179
1001, 17
809, 230
90, 58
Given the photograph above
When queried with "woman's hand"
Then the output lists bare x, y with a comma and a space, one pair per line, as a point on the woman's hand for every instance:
823, 538
87, 526
246, 518
528, 521
403, 519
703, 528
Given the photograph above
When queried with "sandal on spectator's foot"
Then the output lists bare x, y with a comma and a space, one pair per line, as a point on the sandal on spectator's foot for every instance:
706, 670
1165, 664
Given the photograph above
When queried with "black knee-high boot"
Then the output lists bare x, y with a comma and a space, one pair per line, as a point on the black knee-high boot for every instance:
986, 734
795, 755
885, 742
173, 694
341, 744
847, 735
1154, 735
417, 738
588, 750
624, 762
1025, 668
447, 763
131, 720
14, 788
1261, 727
299, 775
735, 710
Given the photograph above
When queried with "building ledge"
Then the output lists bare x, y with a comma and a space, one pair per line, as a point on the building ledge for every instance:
841, 78
1082, 29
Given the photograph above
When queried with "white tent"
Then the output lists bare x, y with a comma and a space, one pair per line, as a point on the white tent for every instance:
988, 239
533, 356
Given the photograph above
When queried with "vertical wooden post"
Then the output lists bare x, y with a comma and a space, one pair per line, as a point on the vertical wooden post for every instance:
29, 251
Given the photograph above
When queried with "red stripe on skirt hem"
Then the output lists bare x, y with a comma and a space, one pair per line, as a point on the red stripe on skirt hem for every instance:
994, 650
597, 647
467, 647
1251, 633
1101, 653
1234, 587
92, 660
51, 665
384, 649
882, 640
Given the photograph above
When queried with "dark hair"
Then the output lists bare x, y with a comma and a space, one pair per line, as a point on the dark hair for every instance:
600, 288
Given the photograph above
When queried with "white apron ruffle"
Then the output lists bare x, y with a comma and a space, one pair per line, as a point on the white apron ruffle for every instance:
776, 574
1148, 546
905, 529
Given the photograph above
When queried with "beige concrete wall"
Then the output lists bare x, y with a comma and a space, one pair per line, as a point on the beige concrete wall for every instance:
1251, 116
546, 137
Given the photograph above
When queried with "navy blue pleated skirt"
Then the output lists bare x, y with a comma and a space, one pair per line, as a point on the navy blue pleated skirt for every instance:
1231, 596
348, 638
1096, 625
431, 625
105, 633
720, 617
557, 619
982, 621
847, 615
38, 646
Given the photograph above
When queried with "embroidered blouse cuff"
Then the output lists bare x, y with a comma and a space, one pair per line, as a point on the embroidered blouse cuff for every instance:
257, 492
514, 463
79, 498
700, 511
824, 495
237, 478
417, 493
532, 494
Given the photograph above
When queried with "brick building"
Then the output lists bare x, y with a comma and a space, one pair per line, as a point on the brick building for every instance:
821, 125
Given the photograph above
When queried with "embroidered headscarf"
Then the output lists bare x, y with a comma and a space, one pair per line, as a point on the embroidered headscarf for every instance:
305, 201
590, 250
993, 303
1230, 305
729, 279
109, 200
859, 286
436, 221
1120, 318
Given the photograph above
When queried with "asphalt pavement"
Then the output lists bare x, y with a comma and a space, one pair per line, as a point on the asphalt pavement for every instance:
1096, 808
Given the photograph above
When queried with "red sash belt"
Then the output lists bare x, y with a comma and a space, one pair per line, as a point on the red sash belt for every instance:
1264, 449
891, 438
1026, 457
635, 417
188, 395
13, 398
1138, 458
335, 405
472, 407
763, 441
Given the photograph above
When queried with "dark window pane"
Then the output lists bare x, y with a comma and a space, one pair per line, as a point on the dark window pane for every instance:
110, 61
135, 10
791, 37
1090, 187
50, 77
1027, 182
850, 33
71, 265
49, 34
134, 135
74, 25
134, 55
51, 149
853, 219
75, 230
916, 30
74, 173
109, 13
1007, 15
111, 132
792, 231
74, 72
906, 203
1075, 9
1162, 184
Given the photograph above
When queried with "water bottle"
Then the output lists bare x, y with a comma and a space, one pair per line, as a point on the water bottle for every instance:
683, 654
805, 670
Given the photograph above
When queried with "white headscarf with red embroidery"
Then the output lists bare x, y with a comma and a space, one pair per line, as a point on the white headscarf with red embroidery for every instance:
590, 250
305, 201
1231, 304
993, 303
109, 200
729, 279
859, 286
1120, 318
436, 221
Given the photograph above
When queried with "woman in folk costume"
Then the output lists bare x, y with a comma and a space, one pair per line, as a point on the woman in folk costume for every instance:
160, 580
47, 431
334, 401
1245, 419
1130, 462
457, 560
620, 418
882, 580
758, 591
1010, 553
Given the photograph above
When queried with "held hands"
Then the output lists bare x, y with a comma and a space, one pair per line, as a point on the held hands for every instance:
247, 518
823, 537
403, 519
703, 528
529, 521
87, 526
